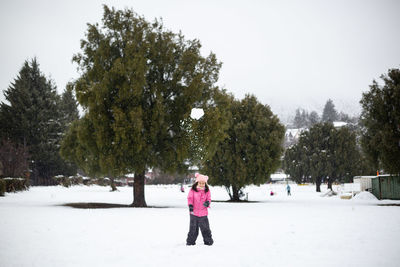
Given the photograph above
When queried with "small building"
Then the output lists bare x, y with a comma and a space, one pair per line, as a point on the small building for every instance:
279, 178
364, 181
339, 124
386, 187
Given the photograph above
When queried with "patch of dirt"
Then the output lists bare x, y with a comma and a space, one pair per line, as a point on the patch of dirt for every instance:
96, 205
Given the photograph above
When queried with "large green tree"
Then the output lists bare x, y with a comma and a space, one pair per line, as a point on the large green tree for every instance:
138, 85
295, 163
31, 118
325, 153
252, 149
380, 119
79, 146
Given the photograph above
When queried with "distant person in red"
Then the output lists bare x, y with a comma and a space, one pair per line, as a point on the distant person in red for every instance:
199, 200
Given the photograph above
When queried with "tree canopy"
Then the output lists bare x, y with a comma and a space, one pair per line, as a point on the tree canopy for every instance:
325, 154
380, 119
252, 149
138, 85
33, 118
329, 113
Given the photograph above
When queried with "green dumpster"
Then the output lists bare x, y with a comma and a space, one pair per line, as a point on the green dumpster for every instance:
386, 187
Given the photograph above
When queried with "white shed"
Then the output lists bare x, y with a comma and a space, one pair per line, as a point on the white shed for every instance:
365, 182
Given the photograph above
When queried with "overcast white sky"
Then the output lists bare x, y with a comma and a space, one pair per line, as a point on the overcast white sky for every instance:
287, 53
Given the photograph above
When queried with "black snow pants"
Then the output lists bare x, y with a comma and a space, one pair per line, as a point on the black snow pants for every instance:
195, 224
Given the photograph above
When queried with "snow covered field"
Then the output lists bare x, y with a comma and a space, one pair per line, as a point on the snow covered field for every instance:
299, 230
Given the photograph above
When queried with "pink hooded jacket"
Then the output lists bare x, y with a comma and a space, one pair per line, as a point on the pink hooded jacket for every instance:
197, 199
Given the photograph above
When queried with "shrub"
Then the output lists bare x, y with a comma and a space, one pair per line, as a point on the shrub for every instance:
15, 184
62, 180
2, 187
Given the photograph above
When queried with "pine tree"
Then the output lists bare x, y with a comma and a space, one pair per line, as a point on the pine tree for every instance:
69, 113
329, 114
252, 149
14, 160
138, 85
31, 118
301, 119
313, 118
69, 106
380, 119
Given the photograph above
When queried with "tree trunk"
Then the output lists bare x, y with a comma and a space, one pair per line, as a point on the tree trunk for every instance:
113, 187
138, 191
330, 183
228, 189
235, 194
318, 184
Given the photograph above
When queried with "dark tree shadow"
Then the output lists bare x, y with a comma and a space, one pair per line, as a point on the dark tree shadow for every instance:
233, 201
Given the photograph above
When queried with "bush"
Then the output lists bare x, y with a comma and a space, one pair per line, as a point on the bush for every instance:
87, 181
76, 180
2, 187
62, 180
103, 182
14, 184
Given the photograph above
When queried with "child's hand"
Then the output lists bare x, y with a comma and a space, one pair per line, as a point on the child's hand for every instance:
206, 204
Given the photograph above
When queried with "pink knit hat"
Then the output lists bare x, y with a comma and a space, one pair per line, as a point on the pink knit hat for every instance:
201, 178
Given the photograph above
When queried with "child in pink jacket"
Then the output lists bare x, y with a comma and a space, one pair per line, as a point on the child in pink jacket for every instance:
199, 200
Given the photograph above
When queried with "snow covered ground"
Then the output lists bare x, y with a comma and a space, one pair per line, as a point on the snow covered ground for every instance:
304, 229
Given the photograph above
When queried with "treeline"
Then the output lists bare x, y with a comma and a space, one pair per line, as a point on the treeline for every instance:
326, 154
371, 143
138, 85
305, 119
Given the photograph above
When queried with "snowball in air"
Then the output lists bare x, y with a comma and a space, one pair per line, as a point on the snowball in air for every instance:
196, 113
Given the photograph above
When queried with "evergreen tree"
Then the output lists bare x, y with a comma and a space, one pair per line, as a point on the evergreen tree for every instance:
31, 118
329, 114
138, 85
297, 119
347, 160
69, 113
301, 119
313, 118
69, 106
296, 164
252, 149
324, 154
14, 160
319, 144
380, 119
79, 146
